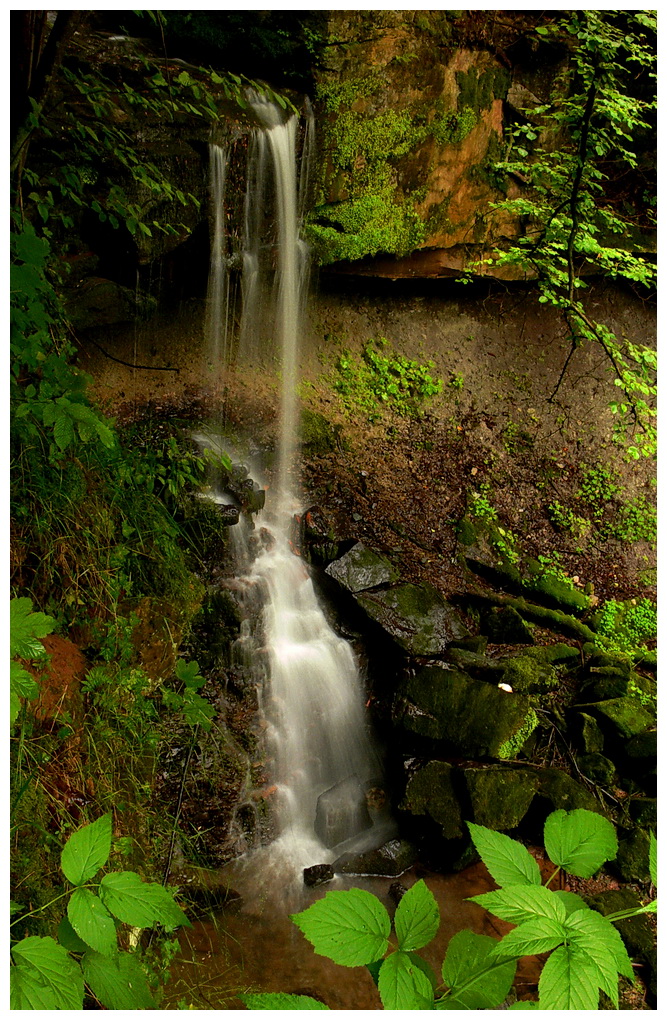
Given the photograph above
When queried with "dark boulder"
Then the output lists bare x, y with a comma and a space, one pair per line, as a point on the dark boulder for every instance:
415, 616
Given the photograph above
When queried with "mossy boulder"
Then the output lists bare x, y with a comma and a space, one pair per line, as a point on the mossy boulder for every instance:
415, 616
361, 568
562, 791
504, 626
500, 797
622, 718
644, 811
597, 768
558, 654
586, 733
430, 791
525, 673
556, 594
469, 717
603, 683
632, 858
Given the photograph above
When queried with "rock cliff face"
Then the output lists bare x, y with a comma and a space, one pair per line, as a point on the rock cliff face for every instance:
412, 109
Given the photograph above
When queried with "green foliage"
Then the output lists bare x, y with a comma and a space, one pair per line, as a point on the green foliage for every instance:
586, 951
25, 630
46, 974
599, 509
195, 709
603, 110
627, 626
377, 379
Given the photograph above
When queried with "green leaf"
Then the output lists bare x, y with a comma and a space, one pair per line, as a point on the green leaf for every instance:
69, 939
44, 976
571, 901
568, 981
189, 673
579, 841
472, 971
532, 937
350, 927
526, 1004
653, 860
517, 903
197, 711
417, 917
403, 985
118, 981
86, 851
139, 903
280, 1000
595, 936
25, 628
92, 921
22, 682
63, 431
508, 862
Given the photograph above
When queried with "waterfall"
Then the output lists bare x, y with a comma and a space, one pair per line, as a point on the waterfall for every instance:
217, 299
311, 698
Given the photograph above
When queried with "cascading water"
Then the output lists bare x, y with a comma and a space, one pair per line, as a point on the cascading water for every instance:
217, 300
311, 698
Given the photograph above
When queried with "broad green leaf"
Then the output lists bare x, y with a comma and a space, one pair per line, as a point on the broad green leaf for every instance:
63, 431
86, 851
197, 711
476, 977
44, 976
403, 985
653, 860
92, 921
69, 939
531, 938
417, 917
425, 968
350, 927
189, 673
568, 981
525, 1005
280, 1000
139, 903
118, 981
508, 862
579, 841
25, 628
571, 901
22, 682
517, 903
595, 936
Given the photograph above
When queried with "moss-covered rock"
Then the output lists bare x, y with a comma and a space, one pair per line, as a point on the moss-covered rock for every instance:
597, 768
361, 568
556, 655
622, 718
525, 673
603, 683
557, 594
504, 626
430, 791
632, 858
415, 616
500, 797
644, 811
471, 718
562, 791
587, 734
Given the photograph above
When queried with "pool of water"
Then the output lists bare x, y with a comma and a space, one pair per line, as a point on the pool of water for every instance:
253, 945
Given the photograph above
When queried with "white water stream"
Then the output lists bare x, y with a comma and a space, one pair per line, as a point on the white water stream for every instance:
310, 690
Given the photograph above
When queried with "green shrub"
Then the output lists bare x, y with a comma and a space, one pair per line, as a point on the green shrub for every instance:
379, 380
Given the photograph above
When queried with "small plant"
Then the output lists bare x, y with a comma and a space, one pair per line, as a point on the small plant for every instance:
456, 381
26, 628
50, 974
587, 955
196, 710
627, 626
377, 379
565, 519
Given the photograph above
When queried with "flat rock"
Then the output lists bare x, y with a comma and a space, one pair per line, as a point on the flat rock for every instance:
390, 860
361, 568
416, 616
